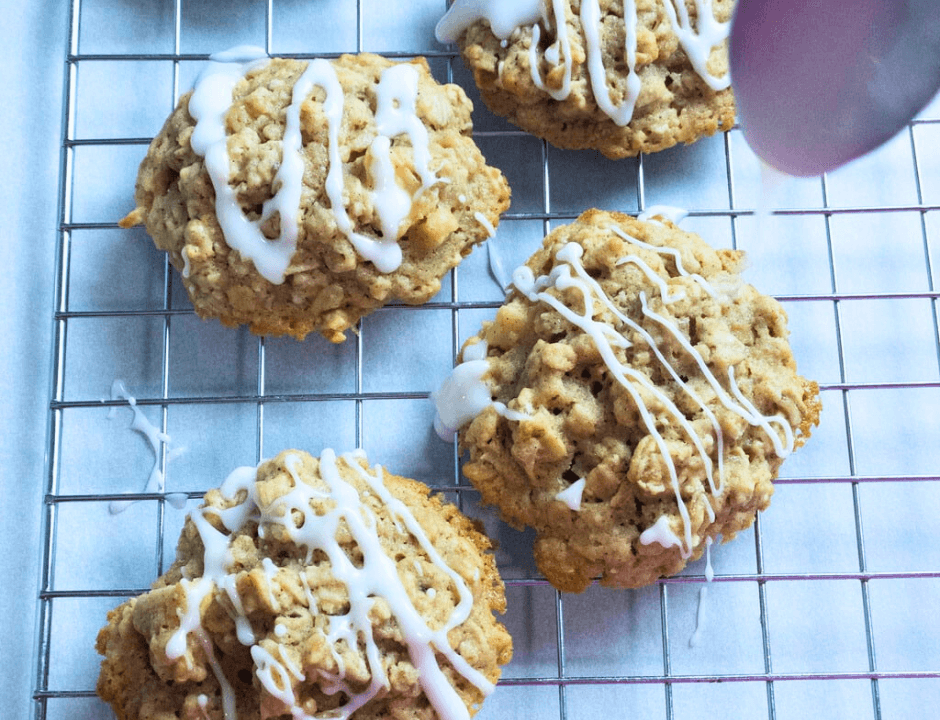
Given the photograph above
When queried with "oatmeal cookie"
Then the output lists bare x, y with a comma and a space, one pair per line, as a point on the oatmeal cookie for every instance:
299, 196
312, 588
633, 400
622, 77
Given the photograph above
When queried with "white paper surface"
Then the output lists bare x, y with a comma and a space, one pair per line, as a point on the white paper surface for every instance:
31, 64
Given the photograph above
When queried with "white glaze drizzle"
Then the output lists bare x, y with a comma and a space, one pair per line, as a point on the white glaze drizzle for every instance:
439, 638
782, 448
653, 276
551, 53
590, 21
497, 269
155, 438
187, 266
209, 105
243, 629
203, 702
229, 706
390, 200
698, 45
461, 397
273, 675
396, 114
571, 496
605, 339
559, 52
671, 252
177, 500
289, 664
239, 54
696, 637
716, 488
270, 572
745, 409
464, 395
660, 532
569, 273
487, 225
505, 17
702, 595
670, 212
377, 577
493, 254
709, 570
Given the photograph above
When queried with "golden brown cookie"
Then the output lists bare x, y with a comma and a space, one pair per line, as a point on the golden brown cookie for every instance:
633, 399
622, 77
312, 588
299, 196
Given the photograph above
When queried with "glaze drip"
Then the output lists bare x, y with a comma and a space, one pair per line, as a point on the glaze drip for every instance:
155, 438
571, 496
464, 395
696, 637
674, 214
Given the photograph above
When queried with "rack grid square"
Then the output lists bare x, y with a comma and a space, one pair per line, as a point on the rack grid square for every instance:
827, 606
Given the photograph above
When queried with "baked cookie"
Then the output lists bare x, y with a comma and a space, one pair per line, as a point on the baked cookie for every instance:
312, 588
298, 196
633, 399
622, 77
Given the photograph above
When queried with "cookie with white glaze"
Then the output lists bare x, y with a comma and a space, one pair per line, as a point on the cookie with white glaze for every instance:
298, 196
633, 399
622, 77
312, 588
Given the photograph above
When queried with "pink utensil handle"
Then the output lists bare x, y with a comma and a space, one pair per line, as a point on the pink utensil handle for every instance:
821, 82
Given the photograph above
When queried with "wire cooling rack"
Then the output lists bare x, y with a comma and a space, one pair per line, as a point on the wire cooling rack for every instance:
827, 606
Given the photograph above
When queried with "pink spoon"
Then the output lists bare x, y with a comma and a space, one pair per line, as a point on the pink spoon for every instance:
820, 82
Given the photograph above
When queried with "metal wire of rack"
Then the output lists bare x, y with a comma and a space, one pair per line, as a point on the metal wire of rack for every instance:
826, 605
